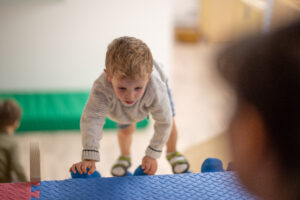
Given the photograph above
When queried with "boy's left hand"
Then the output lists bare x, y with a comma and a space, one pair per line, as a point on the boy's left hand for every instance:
149, 165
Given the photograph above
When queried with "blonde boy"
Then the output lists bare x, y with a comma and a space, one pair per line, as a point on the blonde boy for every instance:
131, 87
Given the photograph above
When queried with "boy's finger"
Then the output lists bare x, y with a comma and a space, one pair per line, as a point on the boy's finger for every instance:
92, 170
83, 167
150, 171
147, 168
73, 169
153, 170
78, 167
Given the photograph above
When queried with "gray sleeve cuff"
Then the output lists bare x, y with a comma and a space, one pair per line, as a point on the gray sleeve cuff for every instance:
153, 153
89, 154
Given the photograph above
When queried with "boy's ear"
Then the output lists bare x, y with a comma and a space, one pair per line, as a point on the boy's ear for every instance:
150, 75
17, 124
108, 77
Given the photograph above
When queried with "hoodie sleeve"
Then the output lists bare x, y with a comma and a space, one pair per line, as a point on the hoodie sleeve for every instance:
92, 122
162, 115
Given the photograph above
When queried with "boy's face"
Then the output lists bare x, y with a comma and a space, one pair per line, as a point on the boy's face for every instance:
129, 91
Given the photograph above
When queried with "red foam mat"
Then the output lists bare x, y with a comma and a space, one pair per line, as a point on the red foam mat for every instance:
15, 191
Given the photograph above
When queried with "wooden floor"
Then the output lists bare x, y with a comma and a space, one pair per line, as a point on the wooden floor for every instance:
216, 147
202, 103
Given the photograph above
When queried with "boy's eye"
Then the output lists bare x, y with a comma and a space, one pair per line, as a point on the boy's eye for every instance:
122, 89
138, 88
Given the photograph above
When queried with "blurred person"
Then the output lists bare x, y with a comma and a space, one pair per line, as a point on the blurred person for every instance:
264, 72
10, 167
132, 86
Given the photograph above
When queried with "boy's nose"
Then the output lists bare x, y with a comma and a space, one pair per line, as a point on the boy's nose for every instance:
129, 96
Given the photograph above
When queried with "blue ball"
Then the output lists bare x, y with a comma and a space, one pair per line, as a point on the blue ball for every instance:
139, 171
96, 174
212, 165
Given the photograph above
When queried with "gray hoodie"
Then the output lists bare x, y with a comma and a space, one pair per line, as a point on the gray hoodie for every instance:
103, 103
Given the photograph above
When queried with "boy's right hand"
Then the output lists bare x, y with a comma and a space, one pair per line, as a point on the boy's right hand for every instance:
83, 165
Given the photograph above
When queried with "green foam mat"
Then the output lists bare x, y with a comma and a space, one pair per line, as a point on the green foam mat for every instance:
50, 111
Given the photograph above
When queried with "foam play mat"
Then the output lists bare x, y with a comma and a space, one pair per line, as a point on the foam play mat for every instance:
206, 186
49, 111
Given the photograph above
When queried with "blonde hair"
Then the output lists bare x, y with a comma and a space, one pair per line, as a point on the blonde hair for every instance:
128, 57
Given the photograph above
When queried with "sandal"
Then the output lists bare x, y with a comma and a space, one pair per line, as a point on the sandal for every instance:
120, 168
178, 162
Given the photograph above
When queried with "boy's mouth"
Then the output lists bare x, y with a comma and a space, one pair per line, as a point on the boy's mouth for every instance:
129, 102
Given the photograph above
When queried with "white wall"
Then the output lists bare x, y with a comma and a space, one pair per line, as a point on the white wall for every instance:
186, 13
61, 44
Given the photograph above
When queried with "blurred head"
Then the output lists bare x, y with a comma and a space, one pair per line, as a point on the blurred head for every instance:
129, 64
264, 72
10, 114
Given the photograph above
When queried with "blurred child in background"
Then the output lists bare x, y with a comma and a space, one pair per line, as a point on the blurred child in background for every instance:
10, 114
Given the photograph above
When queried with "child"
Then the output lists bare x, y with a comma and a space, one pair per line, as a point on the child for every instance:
10, 114
264, 71
129, 89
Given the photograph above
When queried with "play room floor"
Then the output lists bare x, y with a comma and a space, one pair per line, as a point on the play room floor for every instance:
202, 103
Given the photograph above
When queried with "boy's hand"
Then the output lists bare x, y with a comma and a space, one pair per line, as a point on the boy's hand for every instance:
149, 165
83, 165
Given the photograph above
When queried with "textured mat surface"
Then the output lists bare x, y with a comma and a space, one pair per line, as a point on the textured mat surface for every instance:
206, 186
17, 191
46, 111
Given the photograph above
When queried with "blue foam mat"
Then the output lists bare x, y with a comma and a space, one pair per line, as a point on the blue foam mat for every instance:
206, 186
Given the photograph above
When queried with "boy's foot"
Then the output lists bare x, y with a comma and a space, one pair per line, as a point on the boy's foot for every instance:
120, 168
178, 162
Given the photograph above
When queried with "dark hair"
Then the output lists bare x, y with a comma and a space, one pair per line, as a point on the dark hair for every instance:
264, 70
10, 112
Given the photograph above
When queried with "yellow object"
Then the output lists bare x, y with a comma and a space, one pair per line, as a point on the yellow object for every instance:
186, 34
224, 20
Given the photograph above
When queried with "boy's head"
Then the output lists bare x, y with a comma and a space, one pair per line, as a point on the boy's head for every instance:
10, 115
128, 58
264, 71
129, 64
